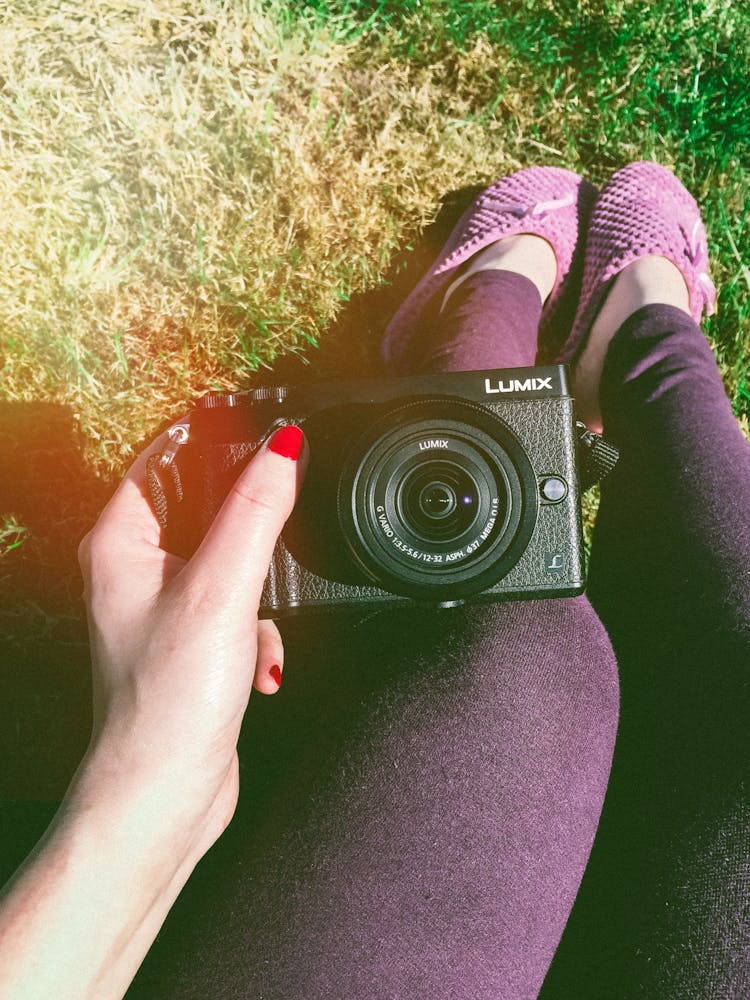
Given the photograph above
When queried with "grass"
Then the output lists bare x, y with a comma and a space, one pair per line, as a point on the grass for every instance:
12, 534
193, 191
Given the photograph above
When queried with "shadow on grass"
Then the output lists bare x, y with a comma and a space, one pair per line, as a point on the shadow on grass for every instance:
351, 347
44, 673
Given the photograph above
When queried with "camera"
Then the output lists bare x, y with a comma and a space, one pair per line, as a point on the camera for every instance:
433, 489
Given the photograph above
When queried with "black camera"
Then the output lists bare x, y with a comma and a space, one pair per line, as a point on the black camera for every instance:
435, 489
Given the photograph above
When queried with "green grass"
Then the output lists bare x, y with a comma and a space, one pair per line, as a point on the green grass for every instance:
192, 191
605, 82
12, 534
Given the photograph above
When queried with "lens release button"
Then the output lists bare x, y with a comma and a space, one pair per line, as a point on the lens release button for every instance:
553, 489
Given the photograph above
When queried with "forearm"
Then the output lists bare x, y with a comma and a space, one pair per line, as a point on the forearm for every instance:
81, 914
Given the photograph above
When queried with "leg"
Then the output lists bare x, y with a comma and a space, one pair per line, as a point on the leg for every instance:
667, 887
411, 825
687, 465
492, 321
475, 331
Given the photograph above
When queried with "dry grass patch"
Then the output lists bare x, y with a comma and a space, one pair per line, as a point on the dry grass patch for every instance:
187, 194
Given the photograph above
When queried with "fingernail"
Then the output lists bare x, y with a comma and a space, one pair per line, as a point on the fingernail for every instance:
275, 672
287, 441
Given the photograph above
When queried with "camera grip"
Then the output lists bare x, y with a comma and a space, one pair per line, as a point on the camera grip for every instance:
188, 491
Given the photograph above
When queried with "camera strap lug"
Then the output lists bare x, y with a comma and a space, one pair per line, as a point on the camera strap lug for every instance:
178, 435
163, 475
597, 457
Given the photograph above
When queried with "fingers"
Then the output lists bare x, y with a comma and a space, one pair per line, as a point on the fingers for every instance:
270, 661
231, 564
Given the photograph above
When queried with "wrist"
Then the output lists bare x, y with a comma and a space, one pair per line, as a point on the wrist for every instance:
161, 816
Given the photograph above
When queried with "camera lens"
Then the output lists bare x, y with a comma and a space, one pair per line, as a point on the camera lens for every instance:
437, 499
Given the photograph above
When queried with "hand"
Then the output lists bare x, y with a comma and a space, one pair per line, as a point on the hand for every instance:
177, 645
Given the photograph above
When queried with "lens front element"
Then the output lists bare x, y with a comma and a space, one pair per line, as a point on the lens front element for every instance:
437, 500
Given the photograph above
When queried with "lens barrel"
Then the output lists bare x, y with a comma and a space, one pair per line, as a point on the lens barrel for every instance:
437, 500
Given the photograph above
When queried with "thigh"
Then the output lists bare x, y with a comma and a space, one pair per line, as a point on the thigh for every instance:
663, 910
418, 805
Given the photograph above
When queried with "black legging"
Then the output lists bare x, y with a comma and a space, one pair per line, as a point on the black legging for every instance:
419, 803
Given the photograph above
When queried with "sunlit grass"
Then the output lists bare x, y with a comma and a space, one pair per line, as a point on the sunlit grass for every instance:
191, 190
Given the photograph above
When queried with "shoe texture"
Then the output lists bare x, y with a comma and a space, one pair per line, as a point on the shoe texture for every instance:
545, 201
644, 209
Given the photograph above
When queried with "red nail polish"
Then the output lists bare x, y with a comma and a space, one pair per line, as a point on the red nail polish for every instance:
287, 441
275, 672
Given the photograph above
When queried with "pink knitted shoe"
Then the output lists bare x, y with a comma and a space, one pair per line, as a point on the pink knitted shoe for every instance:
545, 201
642, 210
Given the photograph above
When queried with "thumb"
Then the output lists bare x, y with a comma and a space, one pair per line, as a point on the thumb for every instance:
231, 563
